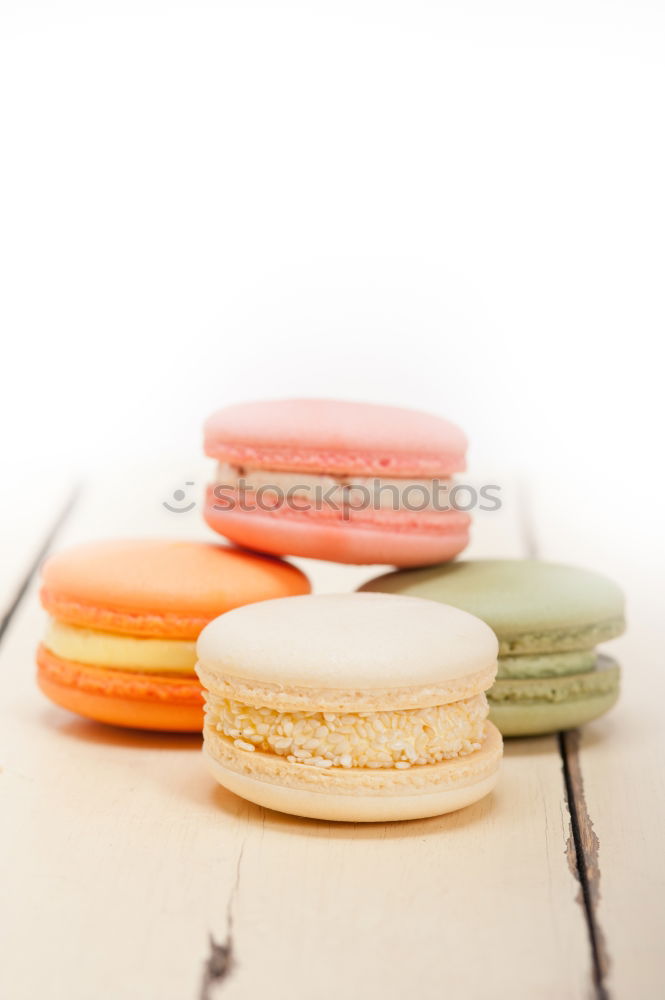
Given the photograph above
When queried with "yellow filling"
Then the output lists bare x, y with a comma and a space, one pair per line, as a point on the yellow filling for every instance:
367, 739
120, 652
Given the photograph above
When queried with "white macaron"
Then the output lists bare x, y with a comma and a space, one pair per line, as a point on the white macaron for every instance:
359, 707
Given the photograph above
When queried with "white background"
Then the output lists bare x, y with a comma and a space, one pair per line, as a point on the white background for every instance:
458, 206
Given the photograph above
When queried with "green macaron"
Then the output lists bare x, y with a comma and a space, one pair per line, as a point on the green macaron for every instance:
548, 619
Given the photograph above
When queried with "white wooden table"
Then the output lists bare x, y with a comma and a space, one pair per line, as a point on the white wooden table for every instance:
127, 873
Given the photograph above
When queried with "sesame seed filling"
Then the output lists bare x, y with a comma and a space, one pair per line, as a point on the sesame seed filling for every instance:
398, 739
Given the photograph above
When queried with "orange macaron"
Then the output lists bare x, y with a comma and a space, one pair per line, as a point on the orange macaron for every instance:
120, 646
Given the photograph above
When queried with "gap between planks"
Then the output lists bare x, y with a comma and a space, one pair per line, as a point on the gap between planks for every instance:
33, 567
583, 844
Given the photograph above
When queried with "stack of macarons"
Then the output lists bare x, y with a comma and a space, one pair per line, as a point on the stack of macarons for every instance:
378, 705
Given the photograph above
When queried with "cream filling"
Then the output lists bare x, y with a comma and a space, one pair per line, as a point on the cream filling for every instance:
366, 739
370, 491
120, 652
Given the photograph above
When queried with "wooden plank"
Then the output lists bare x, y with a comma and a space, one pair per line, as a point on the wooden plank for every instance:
120, 856
615, 763
32, 508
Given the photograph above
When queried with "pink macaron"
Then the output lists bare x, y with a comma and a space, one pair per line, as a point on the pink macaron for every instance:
326, 479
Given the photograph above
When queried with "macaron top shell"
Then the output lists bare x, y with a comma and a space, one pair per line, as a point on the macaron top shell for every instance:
334, 436
534, 604
357, 642
156, 587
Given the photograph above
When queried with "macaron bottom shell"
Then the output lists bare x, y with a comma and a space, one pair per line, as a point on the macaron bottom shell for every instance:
130, 700
540, 719
533, 707
359, 543
356, 794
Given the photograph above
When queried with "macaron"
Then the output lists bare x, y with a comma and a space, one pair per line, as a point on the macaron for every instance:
120, 646
357, 707
548, 618
347, 482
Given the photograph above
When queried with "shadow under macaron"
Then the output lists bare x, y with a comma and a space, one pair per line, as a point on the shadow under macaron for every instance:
90, 731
